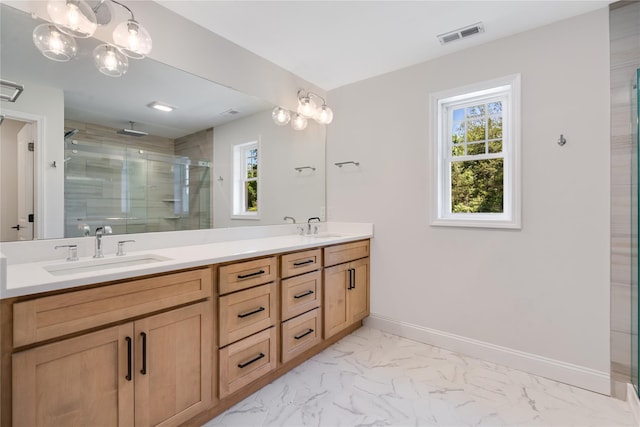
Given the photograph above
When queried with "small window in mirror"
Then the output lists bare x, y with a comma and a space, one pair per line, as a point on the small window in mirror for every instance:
246, 178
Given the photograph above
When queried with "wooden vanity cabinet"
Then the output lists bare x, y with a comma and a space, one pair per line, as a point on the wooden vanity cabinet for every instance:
346, 286
153, 371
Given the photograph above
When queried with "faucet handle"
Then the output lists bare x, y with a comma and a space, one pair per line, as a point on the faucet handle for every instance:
73, 251
120, 250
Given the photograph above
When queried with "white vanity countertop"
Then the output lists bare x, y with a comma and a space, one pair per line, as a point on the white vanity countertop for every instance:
32, 277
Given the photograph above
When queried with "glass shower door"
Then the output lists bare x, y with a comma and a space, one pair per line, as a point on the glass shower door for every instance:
635, 226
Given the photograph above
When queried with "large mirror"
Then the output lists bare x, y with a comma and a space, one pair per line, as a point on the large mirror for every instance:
192, 168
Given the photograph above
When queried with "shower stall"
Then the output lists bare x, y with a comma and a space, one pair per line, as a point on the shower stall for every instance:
133, 190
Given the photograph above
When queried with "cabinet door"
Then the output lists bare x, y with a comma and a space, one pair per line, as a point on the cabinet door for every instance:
80, 381
358, 295
173, 365
336, 309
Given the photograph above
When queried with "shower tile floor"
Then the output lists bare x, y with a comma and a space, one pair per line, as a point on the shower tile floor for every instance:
371, 378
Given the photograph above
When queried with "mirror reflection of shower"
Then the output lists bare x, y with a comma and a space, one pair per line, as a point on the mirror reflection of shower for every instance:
132, 186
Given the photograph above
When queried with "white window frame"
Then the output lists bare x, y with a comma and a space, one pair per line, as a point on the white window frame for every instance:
440, 103
238, 168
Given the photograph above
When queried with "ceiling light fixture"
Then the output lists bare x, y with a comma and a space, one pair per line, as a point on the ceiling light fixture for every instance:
76, 18
161, 107
307, 109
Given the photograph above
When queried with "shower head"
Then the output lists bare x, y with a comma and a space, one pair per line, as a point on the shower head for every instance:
70, 133
132, 132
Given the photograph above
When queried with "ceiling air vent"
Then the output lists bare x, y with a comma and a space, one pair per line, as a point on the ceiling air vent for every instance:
461, 33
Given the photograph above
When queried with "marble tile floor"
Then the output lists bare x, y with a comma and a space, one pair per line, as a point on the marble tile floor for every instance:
371, 378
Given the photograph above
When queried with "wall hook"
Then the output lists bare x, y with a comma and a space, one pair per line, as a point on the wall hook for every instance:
220, 178
562, 140
53, 164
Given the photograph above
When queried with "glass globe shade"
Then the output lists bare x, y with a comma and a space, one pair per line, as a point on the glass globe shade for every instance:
110, 61
324, 115
53, 44
306, 107
73, 17
281, 116
298, 122
132, 39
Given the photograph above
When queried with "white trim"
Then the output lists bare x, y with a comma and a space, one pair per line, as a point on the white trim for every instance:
557, 370
512, 216
634, 402
38, 177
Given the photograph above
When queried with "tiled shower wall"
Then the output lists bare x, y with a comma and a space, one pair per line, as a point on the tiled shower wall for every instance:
624, 31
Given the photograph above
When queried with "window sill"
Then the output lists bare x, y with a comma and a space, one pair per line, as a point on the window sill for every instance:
476, 223
246, 217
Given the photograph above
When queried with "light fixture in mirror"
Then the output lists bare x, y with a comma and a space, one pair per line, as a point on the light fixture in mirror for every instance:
132, 39
306, 106
299, 122
281, 116
307, 109
77, 19
73, 17
53, 44
110, 61
324, 115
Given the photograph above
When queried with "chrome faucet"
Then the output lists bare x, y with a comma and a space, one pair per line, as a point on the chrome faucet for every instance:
309, 224
291, 218
100, 231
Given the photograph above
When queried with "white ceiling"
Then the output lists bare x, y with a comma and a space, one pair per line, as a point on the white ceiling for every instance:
334, 43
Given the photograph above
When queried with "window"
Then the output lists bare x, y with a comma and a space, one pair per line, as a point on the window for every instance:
476, 180
246, 187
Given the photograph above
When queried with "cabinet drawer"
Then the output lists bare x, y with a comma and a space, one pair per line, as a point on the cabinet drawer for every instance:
245, 361
301, 294
246, 312
300, 334
300, 262
54, 316
346, 252
242, 275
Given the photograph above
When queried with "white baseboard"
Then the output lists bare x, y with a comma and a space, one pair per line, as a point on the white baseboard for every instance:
634, 402
557, 370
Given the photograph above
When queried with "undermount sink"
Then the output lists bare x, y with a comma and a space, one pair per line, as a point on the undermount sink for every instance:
326, 235
75, 267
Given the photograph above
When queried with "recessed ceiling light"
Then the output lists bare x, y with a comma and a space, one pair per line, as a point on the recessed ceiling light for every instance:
161, 107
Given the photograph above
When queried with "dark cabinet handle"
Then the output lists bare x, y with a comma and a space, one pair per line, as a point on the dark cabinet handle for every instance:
353, 278
249, 313
17, 227
249, 362
256, 273
143, 371
304, 334
350, 271
129, 352
304, 294
298, 264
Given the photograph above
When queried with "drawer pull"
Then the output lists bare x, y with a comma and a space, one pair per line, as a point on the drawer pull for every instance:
255, 273
249, 362
128, 377
298, 264
304, 294
143, 371
304, 334
249, 313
